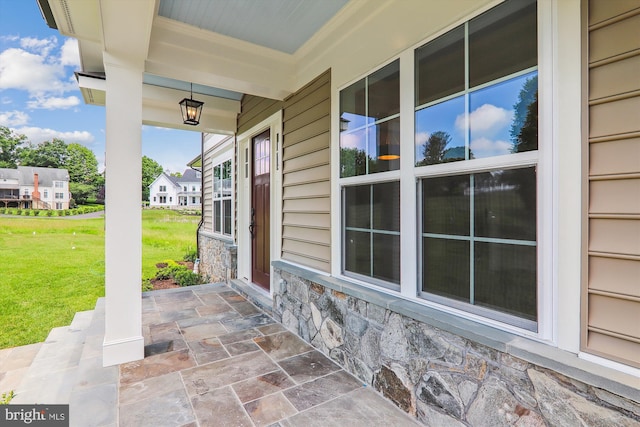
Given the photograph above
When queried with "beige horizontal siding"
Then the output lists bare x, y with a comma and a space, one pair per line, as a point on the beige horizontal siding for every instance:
315, 189
611, 324
254, 109
306, 207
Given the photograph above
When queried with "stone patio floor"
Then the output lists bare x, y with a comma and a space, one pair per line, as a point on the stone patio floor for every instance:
212, 358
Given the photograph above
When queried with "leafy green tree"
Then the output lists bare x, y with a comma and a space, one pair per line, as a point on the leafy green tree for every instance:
433, 150
150, 171
352, 162
49, 154
525, 115
10, 147
176, 174
82, 165
82, 192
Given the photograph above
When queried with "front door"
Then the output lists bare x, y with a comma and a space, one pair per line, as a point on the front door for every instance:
260, 224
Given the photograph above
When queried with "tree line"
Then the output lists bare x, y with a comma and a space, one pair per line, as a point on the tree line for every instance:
86, 183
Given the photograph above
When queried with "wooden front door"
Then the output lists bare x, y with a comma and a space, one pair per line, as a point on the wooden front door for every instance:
260, 224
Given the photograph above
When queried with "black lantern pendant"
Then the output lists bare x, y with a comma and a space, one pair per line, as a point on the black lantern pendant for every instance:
191, 110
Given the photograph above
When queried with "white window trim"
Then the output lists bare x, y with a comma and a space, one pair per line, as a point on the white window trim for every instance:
408, 175
274, 123
227, 155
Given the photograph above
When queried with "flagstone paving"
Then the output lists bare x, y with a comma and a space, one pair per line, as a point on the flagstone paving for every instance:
214, 359
211, 359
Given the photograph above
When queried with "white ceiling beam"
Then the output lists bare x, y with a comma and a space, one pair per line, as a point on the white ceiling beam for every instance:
127, 27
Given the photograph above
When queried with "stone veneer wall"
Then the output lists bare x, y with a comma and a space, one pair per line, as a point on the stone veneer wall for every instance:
434, 375
218, 259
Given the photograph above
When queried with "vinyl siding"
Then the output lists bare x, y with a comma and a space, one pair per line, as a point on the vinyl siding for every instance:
306, 234
254, 109
611, 326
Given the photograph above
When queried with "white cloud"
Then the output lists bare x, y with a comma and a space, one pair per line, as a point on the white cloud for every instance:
41, 46
54, 103
5, 100
13, 118
350, 140
485, 120
421, 138
484, 147
22, 70
69, 53
37, 135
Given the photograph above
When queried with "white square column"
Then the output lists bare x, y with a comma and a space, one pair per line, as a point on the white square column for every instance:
123, 340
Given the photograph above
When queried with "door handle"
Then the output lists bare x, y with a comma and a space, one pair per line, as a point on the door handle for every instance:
253, 223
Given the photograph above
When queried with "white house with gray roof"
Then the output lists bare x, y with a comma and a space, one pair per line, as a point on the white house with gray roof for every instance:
173, 192
30, 187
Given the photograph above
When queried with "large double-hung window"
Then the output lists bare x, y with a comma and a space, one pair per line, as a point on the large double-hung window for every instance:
369, 164
475, 164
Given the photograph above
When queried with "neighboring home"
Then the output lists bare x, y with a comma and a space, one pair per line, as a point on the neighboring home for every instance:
173, 192
442, 196
30, 187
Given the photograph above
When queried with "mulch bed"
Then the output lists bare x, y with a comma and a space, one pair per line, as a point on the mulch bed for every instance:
168, 283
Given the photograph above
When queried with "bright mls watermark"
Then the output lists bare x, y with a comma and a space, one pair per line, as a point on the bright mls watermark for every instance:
34, 415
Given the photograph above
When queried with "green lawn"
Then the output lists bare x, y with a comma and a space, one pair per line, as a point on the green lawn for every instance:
51, 268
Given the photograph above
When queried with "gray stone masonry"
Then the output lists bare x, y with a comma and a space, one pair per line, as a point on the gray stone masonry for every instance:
438, 377
218, 259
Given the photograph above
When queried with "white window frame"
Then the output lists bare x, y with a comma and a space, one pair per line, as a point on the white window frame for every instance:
217, 161
409, 174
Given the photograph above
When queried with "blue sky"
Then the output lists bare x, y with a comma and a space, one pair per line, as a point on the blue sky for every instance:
39, 96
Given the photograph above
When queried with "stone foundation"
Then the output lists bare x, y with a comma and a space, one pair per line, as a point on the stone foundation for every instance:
439, 377
218, 259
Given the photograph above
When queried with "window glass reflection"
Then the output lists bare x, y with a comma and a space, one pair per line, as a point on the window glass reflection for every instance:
353, 153
446, 268
505, 204
505, 278
440, 132
503, 41
384, 93
503, 118
384, 146
440, 67
446, 204
357, 248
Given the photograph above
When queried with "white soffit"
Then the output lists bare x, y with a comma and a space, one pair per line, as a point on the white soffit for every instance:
283, 25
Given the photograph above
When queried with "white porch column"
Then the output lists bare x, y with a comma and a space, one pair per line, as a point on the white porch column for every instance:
123, 341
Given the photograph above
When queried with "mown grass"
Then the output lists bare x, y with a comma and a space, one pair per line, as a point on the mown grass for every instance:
51, 268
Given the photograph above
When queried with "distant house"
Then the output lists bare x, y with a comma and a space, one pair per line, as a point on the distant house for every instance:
29, 187
176, 192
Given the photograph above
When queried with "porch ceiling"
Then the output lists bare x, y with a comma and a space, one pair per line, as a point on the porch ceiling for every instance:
227, 48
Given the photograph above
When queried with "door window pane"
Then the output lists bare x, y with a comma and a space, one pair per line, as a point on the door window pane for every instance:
440, 67
440, 133
503, 41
